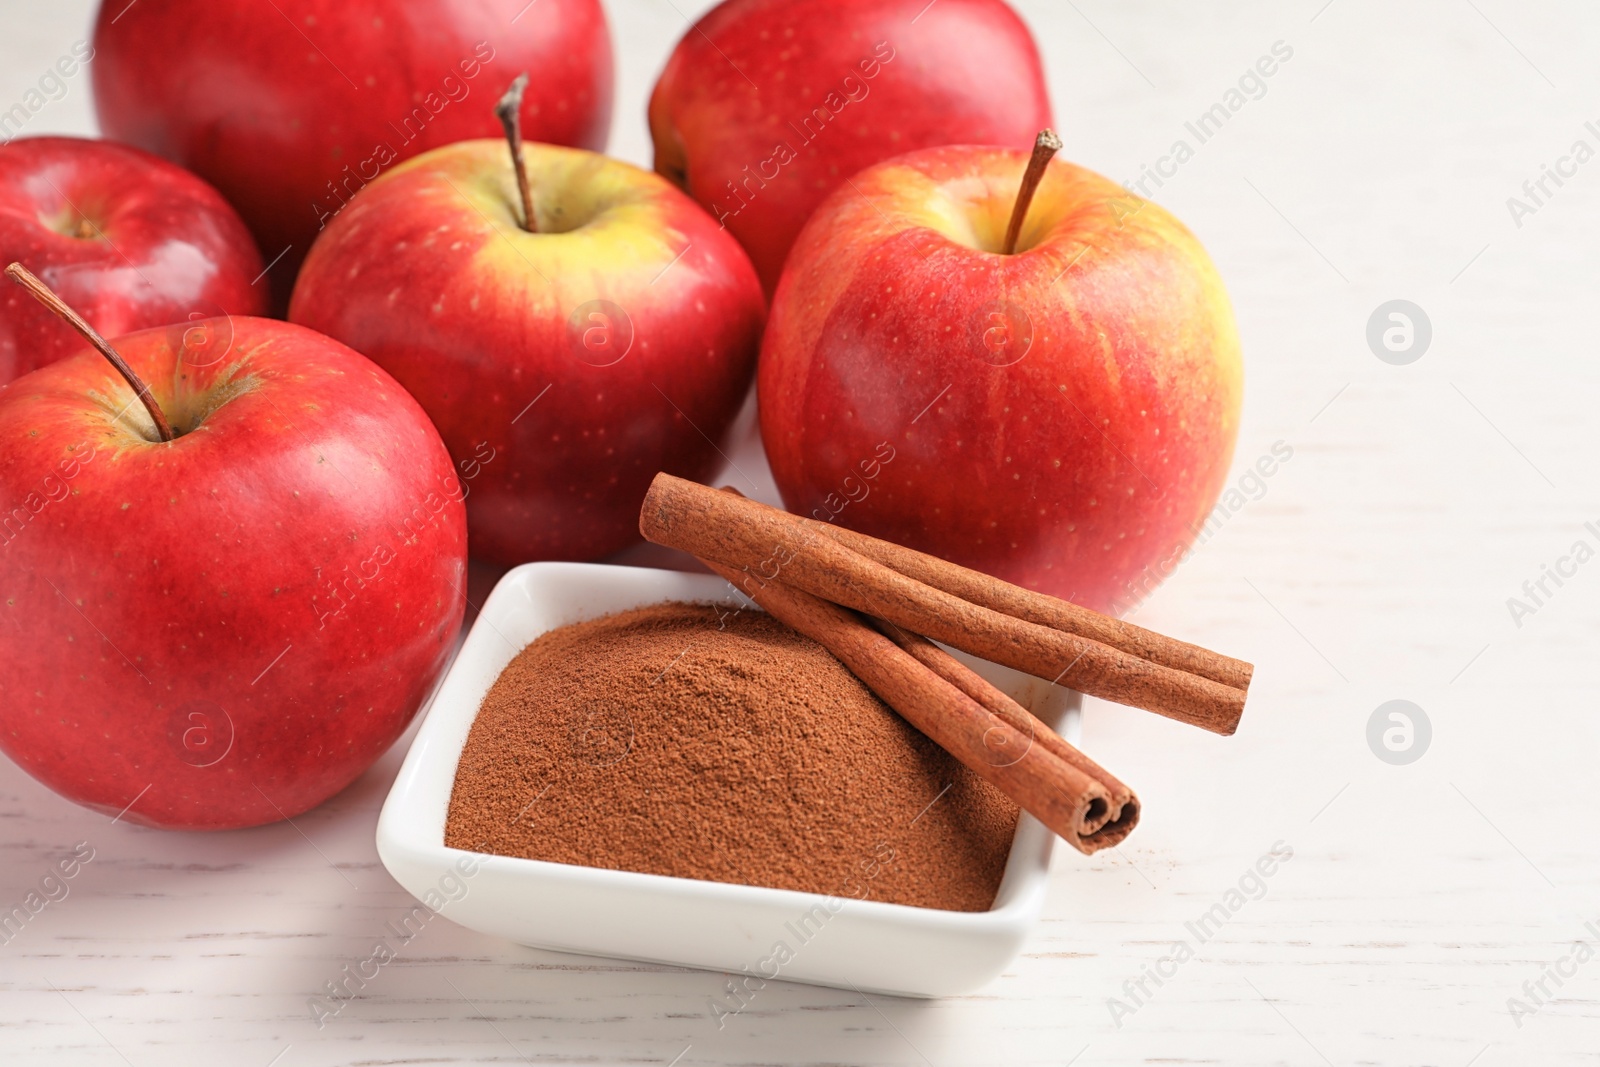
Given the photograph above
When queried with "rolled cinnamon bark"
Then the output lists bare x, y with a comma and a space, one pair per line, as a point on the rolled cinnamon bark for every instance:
767, 542
1087, 813
990, 592
1124, 806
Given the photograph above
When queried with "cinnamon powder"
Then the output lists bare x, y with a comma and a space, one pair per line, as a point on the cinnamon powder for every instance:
677, 739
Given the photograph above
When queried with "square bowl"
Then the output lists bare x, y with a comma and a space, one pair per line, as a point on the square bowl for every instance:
863, 944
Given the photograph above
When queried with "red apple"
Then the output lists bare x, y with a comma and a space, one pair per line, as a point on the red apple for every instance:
226, 628
767, 106
290, 106
1062, 416
128, 239
564, 367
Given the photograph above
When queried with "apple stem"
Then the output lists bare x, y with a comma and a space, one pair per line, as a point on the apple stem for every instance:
48, 297
1044, 150
510, 111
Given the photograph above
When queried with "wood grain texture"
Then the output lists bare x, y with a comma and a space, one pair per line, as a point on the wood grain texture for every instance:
1374, 564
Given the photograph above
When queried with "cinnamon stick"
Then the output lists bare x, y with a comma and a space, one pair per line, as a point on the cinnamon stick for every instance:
1124, 806
1087, 813
990, 592
766, 541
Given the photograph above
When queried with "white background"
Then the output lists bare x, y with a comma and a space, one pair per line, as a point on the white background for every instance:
1376, 566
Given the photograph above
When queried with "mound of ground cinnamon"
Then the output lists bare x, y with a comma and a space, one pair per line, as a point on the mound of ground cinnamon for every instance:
679, 739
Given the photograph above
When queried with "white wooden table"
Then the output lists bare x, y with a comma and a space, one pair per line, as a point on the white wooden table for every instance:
1375, 565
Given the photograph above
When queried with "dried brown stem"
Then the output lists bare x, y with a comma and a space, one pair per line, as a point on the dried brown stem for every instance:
1044, 150
48, 297
509, 109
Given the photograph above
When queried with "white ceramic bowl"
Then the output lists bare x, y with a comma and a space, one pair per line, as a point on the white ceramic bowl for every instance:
867, 945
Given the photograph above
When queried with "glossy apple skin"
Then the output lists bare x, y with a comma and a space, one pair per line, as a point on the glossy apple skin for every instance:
242, 619
891, 75
289, 107
129, 240
1062, 418
493, 329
